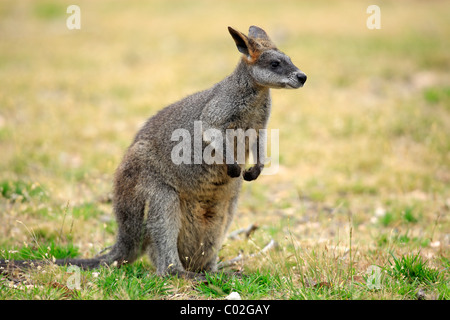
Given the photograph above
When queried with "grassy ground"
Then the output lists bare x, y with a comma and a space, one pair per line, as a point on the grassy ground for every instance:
360, 205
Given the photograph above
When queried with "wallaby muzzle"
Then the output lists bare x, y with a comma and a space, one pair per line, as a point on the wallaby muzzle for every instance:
301, 77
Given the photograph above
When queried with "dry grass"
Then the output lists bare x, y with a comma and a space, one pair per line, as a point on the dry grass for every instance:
364, 146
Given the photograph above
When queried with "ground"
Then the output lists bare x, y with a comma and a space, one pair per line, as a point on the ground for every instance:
360, 203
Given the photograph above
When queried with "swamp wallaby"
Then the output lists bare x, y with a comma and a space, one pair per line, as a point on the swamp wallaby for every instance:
179, 213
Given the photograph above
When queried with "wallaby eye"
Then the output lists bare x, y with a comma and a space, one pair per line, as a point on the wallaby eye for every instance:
274, 64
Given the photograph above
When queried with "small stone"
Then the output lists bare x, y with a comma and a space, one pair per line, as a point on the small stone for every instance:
233, 296
421, 294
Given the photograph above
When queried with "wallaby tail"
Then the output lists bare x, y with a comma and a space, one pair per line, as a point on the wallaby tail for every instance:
83, 263
8, 266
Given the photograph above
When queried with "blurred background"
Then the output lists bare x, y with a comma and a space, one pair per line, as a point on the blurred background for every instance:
369, 134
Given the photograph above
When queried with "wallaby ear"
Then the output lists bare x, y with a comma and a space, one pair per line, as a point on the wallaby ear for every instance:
259, 36
257, 33
241, 41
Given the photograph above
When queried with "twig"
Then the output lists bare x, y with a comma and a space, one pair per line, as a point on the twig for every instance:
247, 231
271, 245
103, 250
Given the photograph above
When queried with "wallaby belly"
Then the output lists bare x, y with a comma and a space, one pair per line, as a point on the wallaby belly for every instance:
205, 219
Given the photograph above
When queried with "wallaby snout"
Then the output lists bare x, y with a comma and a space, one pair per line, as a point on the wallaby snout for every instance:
299, 79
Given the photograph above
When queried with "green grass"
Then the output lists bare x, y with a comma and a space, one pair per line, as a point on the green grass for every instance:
412, 268
409, 273
131, 282
40, 251
49, 10
86, 210
436, 95
22, 191
303, 275
252, 286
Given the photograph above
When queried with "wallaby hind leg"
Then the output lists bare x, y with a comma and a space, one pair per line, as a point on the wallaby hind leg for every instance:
130, 220
162, 228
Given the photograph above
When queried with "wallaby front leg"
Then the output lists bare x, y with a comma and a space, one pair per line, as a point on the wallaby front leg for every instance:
259, 152
253, 172
233, 167
233, 170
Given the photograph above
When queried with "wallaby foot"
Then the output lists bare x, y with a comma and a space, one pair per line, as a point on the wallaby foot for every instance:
203, 277
227, 274
253, 172
200, 277
233, 170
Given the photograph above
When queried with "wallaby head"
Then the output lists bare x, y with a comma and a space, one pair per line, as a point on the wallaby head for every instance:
268, 66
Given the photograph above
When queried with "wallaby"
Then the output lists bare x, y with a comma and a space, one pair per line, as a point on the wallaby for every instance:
179, 213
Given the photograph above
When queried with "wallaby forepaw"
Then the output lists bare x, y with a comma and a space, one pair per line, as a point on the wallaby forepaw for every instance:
252, 173
233, 170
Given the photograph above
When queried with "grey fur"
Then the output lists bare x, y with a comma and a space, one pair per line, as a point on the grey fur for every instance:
179, 214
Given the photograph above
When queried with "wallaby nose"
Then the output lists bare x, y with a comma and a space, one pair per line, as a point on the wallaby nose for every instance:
301, 77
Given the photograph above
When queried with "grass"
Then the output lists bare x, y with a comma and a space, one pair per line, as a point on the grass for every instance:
366, 138
21, 190
40, 251
412, 268
257, 285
